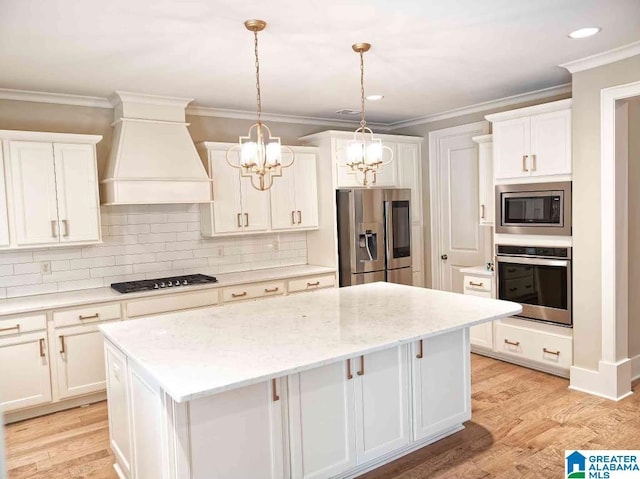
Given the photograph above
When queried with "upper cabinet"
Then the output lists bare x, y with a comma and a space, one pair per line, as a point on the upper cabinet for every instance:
533, 141
347, 178
485, 177
237, 207
51, 189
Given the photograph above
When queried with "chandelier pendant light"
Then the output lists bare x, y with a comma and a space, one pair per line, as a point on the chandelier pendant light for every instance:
259, 154
365, 152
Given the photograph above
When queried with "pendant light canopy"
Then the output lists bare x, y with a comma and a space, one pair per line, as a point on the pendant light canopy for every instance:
259, 154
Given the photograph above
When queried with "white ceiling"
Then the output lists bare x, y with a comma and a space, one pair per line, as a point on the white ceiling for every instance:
428, 56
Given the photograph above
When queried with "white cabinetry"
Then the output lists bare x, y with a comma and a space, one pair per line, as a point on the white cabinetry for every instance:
294, 199
52, 188
24, 362
479, 282
485, 176
441, 383
533, 141
4, 218
348, 178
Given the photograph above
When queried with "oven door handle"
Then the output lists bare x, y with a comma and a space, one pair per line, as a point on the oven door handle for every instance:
535, 261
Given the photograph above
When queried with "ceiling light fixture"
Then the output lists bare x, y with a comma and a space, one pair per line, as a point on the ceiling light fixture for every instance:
375, 97
364, 152
584, 32
260, 152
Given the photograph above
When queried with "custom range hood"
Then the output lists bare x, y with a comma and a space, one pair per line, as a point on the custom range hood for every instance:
153, 159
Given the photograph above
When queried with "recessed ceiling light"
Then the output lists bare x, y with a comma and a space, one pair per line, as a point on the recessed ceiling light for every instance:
374, 97
585, 32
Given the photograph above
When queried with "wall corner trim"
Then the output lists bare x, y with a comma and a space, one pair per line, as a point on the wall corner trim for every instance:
604, 58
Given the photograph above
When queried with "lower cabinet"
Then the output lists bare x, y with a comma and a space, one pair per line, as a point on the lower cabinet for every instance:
441, 383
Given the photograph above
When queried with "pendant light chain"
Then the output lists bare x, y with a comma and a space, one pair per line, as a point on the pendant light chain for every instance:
363, 122
258, 97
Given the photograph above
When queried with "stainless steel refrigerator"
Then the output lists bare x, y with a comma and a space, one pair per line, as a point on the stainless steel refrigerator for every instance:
374, 235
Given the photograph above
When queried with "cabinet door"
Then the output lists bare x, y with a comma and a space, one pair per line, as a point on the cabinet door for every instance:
238, 434
345, 177
441, 383
511, 148
321, 421
551, 143
77, 192
306, 190
255, 207
118, 404
79, 354
388, 174
417, 247
4, 220
409, 176
482, 334
24, 371
485, 174
283, 197
382, 400
33, 184
227, 202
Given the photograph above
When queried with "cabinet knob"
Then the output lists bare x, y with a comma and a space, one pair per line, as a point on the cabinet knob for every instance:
444, 257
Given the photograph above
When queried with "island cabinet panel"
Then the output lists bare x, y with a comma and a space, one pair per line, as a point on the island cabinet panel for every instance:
238, 434
441, 383
322, 422
382, 402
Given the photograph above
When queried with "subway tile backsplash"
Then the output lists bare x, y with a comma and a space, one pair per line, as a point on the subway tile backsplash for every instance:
145, 241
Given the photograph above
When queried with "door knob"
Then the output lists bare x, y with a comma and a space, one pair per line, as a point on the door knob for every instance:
444, 257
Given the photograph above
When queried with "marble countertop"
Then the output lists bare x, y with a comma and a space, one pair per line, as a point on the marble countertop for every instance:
43, 302
478, 271
198, 353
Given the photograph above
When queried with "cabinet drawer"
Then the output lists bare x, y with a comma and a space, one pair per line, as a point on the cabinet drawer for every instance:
22, 324
476, 283
171, 302
312, 282
87, 314
534, 345
255, 290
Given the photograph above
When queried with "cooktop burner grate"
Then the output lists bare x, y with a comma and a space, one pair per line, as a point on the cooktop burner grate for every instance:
163, 283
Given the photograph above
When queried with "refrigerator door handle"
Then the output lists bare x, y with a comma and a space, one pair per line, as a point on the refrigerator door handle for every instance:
388, 233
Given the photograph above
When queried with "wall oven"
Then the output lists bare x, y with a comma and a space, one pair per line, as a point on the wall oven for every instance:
539, 278
534, 208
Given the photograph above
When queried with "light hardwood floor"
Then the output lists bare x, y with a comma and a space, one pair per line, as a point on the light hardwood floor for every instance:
522, 422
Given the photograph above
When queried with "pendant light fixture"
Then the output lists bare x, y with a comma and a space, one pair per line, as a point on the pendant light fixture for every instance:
260, 153
365, 152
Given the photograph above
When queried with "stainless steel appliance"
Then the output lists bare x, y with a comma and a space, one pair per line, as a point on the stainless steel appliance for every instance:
161, 283
534, 208
539, 278
374, 235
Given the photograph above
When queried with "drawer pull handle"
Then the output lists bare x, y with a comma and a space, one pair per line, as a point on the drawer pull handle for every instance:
479, 285
274, 390
93, 316
511, 270
511, 290
512, 343
361, 372
273, 290
63, 346
16, 327
548, 351
238, 295
311, 285
42, 348
349, 375
419, 355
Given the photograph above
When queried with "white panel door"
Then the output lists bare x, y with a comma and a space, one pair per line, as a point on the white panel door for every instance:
551, 143
238, 434
409, 176
441, 383
4, 220
227, 201
382, 399
511, 148
24, 371
462, 242
321, 422
77, 192
79, 354
33, 184
283, 197
255, 207
118, 404
306, 190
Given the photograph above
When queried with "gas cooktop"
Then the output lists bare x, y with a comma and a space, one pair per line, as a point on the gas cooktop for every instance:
163, 283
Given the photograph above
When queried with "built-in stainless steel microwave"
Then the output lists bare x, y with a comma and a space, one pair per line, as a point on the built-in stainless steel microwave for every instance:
534, 208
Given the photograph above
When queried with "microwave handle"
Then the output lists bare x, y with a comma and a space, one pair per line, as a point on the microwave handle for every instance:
536, 261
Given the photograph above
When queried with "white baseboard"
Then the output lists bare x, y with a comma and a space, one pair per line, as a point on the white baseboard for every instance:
22, 414
610, 381
545, 368
635, 367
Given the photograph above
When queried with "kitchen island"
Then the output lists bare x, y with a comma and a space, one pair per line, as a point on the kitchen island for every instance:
328, 384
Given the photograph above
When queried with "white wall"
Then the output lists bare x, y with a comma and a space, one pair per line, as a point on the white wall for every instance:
140, 242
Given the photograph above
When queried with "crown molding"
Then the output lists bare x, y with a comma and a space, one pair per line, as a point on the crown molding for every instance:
120, 97
484, 106
56, 98
604, 58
